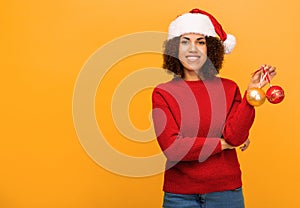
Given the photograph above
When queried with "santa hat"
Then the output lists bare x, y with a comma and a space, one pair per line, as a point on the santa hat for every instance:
198, 21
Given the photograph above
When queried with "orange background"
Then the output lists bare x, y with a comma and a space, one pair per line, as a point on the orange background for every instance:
44, 45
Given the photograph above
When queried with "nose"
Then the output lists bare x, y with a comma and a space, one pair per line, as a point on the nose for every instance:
192, 47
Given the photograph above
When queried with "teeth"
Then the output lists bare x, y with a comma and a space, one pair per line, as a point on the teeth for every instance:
192, 58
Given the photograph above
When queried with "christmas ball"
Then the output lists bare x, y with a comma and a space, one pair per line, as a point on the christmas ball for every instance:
275, 94
255, 96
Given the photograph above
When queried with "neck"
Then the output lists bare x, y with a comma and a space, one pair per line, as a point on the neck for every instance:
192, 76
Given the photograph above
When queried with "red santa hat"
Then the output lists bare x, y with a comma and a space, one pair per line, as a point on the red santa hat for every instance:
201, 22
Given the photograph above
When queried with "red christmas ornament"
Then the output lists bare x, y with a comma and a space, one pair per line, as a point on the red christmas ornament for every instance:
275, 94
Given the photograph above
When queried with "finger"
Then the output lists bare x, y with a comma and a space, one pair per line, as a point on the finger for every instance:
272, 72
258, 71
272, 69
244, 147
268, 67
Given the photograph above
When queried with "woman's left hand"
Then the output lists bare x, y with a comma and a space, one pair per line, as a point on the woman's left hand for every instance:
245, 145
256, 81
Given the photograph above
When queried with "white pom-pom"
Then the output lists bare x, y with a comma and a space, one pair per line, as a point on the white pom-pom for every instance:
229, 43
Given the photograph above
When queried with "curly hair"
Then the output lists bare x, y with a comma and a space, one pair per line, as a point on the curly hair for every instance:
212, 66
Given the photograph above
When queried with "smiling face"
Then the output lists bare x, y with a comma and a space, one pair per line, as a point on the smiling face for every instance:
192, 54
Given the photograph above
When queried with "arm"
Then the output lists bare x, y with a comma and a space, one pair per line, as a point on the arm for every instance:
241, 114
173, 144
239, 120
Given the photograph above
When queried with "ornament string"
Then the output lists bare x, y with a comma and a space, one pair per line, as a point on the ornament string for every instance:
266, 76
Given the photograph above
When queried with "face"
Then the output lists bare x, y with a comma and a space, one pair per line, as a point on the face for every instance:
192, 52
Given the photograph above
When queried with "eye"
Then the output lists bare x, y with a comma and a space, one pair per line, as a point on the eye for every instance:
202, 42
184, 42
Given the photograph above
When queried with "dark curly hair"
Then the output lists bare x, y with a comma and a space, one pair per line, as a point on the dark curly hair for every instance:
212, 66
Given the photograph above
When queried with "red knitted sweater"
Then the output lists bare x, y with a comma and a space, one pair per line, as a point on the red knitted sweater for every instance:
189, 118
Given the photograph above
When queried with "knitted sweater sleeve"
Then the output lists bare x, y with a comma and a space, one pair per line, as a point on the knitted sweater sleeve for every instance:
239, 120
173, 144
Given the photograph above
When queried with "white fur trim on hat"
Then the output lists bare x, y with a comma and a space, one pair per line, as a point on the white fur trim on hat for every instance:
191, 23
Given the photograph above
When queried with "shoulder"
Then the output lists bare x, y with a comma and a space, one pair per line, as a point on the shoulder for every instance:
168, 86
175, 89
228, 82
229, 85
163, 93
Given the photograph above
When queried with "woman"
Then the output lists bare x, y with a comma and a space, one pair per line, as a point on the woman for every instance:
200, 118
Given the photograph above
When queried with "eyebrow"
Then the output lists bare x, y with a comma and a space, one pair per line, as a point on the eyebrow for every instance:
197, 38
